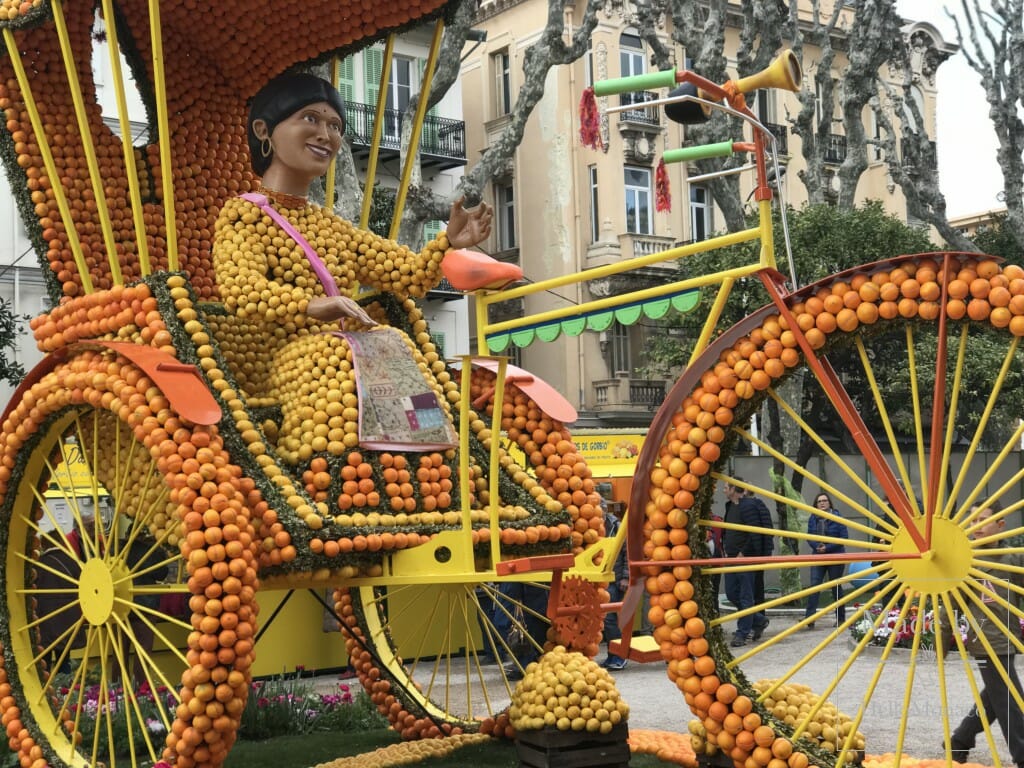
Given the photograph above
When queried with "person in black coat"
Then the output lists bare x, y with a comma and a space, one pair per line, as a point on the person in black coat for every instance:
739, 585
767, 549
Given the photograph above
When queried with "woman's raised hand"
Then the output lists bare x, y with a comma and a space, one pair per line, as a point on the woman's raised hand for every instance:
467, 228
329, 308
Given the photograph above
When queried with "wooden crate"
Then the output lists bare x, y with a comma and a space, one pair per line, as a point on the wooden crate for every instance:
551, 748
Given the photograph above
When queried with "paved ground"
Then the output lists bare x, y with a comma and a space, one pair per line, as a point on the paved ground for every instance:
656, 703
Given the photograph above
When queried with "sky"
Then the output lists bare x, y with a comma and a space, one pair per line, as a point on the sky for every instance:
968, 173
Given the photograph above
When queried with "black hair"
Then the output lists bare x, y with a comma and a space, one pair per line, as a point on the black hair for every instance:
995, 505
819, 494
281, 98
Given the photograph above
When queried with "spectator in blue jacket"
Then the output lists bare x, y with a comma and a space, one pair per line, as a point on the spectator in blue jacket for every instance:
824, 527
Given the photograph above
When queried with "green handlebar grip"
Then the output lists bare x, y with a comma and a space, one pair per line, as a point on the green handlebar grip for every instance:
702, 152
666, 78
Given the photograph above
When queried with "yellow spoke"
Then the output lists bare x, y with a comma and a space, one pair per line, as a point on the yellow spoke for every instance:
828, 487
147, 665
468, 674
423, 636
56, 534
445, 653
982, 587
486, 632
915, 399
970, 525
91, 540
837, 461
869, 691
954, 402
128, 691
911, 673
844, 668
855, 543
77, 685
883, 412
979, 702
1010, 448
69, 633
41, 566
144, 613
880, 591
497, 599
990, 405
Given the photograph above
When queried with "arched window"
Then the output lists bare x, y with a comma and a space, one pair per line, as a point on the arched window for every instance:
631, 55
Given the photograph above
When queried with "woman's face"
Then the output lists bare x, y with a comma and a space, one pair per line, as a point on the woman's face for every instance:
305, 142
822, 502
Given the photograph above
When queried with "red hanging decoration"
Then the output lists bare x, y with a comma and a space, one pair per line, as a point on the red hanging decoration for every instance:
590, 122
662, 192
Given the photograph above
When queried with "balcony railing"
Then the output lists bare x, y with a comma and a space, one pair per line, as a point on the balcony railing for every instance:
643, 245
781, 134
641, 114
913, 159
441, 136
628, 394
835, 149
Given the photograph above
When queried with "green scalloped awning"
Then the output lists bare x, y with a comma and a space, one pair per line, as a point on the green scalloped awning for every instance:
627, 314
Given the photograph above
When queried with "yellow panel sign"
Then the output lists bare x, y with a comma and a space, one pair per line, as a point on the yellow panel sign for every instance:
72, 476
615, 449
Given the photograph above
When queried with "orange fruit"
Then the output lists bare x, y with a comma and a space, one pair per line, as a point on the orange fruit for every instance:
956, 309
958, 289
867, 313
980, 287
978, 309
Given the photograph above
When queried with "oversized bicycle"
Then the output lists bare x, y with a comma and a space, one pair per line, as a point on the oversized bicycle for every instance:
143, 378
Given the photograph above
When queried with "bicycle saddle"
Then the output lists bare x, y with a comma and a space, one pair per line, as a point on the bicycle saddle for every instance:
474, 271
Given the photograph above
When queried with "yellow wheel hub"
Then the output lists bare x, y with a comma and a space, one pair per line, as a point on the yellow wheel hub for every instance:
99, 587
942, 568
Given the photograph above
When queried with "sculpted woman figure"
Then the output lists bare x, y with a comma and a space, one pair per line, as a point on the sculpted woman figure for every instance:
286, 269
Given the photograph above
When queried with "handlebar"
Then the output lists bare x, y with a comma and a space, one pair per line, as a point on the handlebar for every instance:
650, 81
705, 151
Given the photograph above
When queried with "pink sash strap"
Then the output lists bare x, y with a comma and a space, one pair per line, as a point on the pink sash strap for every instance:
319, 268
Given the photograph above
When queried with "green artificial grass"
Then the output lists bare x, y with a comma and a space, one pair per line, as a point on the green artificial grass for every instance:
315, 748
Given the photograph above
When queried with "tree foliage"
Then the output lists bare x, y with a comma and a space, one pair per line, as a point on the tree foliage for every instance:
999, 239
11, 371
825, 240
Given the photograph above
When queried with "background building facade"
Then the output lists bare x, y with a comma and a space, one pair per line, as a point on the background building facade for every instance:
561, 207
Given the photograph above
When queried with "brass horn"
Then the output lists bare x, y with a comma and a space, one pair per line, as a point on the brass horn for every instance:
783, 72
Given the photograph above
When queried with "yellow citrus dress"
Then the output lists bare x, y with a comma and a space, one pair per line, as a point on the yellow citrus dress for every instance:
280, 357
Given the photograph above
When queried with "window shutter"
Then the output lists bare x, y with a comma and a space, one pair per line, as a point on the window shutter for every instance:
432, 229
347, 79
429, 140
437, 337
373, 64
422, 69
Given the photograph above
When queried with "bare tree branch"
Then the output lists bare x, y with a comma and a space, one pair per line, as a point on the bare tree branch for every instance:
814, 124
996, 54
915, 169
874, 34
550, 50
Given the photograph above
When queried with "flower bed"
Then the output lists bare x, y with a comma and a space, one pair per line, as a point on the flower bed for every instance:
903, 628
273, 708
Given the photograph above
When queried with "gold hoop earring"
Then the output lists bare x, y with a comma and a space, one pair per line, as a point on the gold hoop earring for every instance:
266, 148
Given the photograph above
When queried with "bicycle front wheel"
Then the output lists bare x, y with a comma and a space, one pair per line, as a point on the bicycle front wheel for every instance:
892, 355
